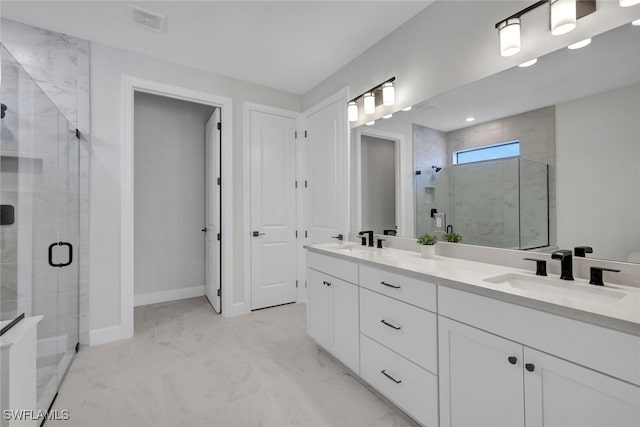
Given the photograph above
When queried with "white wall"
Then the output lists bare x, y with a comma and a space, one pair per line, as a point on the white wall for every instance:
108, 66
451, 43
598, 179
169, 188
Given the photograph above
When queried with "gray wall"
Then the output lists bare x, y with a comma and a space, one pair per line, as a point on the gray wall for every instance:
378, 163
169, 193
598, 176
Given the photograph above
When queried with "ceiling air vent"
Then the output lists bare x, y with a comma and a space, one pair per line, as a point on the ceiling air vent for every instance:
426, 106
148, 19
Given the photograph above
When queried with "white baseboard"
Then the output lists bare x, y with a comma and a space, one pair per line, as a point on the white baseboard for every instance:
105, 335
52, 345
171, 295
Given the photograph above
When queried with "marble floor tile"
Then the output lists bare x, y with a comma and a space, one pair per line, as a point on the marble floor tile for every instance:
187, 366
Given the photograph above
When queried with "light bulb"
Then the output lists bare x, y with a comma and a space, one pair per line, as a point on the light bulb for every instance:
369, 103
563, 16
388, 94
509, 32
352, 111
627, 3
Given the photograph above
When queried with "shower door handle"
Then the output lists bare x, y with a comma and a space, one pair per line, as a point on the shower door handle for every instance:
67, 244
70, 246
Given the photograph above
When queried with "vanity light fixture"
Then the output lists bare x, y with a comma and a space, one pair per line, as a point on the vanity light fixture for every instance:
407, 108
580, 44
388, 94
563, 15
352, 111
528, 63
628, 3
384, 94
369, 103
636, 23
371, 123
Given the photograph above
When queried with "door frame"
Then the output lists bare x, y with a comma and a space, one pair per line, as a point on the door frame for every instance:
130, 85
247, 108
399, 142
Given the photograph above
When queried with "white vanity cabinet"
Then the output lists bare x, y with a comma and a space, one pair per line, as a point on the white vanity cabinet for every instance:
489, 380
332, 311
398, 341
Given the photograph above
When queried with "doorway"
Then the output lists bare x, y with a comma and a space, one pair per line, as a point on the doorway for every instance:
177, 201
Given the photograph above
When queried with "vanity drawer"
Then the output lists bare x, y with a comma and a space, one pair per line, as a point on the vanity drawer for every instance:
407, 330
407, 289
407, 385
335, 267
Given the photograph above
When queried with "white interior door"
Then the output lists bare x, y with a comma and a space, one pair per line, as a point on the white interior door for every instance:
212, 207
273, 210
327, 161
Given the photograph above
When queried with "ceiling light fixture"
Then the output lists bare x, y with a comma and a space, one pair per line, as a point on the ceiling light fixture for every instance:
580, 44
407, 108
636, 23
383, 94
352, 111
469, 119
563, 15
371, 123
628, 3
528, 63
388, 116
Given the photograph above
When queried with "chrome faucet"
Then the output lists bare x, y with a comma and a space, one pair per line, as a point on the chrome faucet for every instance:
566, 263
368, 238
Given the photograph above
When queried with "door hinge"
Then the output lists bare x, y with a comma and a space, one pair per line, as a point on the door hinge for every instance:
218, 291
219, 125
305, 133
218, 236
305, 284
219, 181
295, 134
305, 234
78, 133
296, 184
296, 234
296, 283
305, 183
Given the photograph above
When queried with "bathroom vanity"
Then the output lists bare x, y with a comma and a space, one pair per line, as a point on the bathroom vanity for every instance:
453, 342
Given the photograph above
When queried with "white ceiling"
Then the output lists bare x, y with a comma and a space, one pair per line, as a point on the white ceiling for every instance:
611, 61
287, 45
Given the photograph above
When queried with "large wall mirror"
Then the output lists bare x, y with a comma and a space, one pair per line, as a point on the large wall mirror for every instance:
531, 158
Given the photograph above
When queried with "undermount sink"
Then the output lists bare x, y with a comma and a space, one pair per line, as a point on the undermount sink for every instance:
559, 288
350, 248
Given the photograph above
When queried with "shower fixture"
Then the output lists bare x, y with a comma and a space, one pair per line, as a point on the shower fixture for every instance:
3, 109
436, 169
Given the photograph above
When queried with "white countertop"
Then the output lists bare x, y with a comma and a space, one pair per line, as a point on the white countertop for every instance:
622, 314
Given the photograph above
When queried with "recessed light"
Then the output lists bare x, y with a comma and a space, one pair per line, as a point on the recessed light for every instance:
371, 123
580, 44
528, 63
388, 116
469, 119
636, 23
407, 108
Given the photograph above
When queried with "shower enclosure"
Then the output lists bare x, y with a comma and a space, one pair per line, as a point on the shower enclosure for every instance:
39, 231
500, 203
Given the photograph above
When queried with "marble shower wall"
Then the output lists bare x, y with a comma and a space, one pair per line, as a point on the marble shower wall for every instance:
59, 64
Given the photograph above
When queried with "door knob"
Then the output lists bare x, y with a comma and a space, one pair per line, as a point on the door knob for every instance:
512, 359
530, 367
257, 234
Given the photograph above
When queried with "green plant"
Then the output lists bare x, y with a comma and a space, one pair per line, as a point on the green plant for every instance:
427, 239
453, 237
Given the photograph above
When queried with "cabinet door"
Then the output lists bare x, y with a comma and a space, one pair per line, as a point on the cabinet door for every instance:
563, 394
345, 331
479, 385
318, 308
